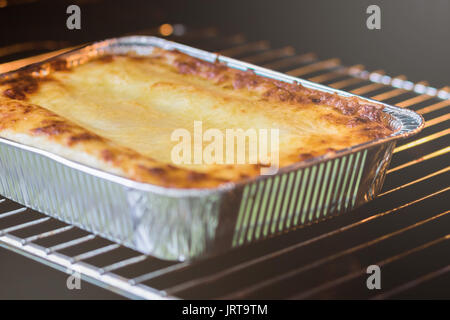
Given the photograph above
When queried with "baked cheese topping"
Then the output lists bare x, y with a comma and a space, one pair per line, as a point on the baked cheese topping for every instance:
118, 113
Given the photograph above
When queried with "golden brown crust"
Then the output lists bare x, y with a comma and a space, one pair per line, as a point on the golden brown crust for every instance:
20, 116
275, 90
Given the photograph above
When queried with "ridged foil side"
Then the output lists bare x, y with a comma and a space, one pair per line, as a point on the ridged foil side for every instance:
311, 194
168, 227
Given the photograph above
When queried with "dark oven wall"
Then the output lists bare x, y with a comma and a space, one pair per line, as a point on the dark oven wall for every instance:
413, 38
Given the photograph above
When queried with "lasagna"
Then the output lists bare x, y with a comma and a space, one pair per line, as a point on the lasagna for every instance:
118, 113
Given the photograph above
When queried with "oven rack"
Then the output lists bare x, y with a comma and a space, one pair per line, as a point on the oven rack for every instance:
405, 223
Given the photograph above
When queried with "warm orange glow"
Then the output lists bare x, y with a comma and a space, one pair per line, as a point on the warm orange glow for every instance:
344, 83
426, 157
422, 140
389, 94
3, 3
437, 120
314, 67
166, 29
434, 107
13, 65
368, 88
436, 173
336, 73
414, 100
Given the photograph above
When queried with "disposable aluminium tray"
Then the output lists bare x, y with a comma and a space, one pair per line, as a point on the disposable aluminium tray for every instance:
182, 224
